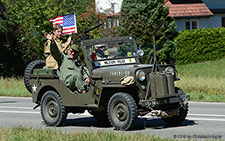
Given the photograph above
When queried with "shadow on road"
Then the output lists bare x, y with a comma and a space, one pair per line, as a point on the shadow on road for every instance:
87, 122
141, 124
144, 123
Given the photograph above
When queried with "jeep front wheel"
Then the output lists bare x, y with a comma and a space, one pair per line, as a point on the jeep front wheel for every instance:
122, 111
175, 120
52, 110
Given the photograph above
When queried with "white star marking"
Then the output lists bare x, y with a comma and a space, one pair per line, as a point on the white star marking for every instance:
34, 88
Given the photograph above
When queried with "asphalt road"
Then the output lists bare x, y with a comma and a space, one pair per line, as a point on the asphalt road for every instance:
204, 121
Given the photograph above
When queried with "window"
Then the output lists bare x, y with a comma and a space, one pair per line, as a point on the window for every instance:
223, 22
109, 23
191, 25
114, 22
188, 26
194, 24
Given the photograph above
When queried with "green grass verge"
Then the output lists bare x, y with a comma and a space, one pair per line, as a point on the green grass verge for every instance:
203, 81
30, 134
13, 87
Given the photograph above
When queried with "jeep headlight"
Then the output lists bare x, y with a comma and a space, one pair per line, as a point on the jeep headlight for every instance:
170, 70
140, 75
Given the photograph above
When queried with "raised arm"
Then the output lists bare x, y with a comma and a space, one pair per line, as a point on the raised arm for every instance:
55, 52
65, 46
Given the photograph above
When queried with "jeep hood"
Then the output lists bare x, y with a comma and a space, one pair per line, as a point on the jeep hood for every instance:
119, 71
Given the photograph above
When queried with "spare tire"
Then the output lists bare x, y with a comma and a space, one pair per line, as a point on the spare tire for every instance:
29, 70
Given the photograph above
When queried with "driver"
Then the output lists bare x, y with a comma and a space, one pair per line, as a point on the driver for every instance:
100, 51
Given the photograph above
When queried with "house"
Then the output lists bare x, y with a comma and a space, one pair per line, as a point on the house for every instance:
113, 19
188, 14
217, 7
195, 14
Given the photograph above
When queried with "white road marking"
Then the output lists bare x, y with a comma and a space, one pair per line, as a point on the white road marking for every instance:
216, 103
206, 115
9, 107
209, 119
200, 117
19, 112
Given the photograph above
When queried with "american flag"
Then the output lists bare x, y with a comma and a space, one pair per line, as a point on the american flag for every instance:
68, 22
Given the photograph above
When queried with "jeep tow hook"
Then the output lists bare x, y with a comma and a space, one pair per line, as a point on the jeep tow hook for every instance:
36, 106
165, 114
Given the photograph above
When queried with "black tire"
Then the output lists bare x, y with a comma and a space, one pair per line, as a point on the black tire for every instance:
122, 111
100, 116
52, 110
176, 120
29, 70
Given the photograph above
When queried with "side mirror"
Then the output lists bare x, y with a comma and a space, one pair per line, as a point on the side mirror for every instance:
140, 52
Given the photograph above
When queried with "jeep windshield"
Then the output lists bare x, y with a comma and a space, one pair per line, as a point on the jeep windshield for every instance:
111, 51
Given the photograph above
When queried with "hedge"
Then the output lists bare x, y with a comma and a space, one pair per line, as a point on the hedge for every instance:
200, 45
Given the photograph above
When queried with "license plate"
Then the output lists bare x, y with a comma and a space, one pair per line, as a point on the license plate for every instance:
174, 100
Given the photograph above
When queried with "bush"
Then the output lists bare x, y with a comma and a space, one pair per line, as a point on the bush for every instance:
200, 45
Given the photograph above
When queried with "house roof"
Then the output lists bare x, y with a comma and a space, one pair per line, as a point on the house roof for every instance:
187, 8
113, 15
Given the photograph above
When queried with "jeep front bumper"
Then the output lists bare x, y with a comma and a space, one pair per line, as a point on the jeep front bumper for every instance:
166, 100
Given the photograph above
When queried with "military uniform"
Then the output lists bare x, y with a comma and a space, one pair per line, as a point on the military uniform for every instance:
101, 55
72, 74
51, 63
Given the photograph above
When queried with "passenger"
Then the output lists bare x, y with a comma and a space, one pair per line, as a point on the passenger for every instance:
62, 44
74, 75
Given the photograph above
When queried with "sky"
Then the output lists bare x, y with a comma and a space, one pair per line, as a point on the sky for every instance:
105, 4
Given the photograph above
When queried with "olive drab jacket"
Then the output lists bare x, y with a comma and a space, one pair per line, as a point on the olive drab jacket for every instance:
69, 69
51, 63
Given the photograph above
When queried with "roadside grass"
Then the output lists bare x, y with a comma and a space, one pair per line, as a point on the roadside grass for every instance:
30, 134
13, 87
203, 81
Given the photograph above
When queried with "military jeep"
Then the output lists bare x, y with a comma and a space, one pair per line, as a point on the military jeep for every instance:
121, 88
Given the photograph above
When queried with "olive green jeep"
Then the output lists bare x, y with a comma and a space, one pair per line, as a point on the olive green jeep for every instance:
121, 88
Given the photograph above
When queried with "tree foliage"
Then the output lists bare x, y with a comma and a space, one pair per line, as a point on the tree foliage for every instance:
140, 18
22, 27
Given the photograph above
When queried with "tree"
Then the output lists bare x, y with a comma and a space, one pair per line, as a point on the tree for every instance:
23, 24
140, 18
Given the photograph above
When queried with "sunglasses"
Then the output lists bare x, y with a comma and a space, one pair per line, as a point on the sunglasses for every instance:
71, 50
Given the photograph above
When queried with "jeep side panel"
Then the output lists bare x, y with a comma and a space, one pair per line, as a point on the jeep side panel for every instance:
69, 98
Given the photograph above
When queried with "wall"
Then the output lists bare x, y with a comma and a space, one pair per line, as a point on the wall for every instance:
202, 23
215, 4
216, 21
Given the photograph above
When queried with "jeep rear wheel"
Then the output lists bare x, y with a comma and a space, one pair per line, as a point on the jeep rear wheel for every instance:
52, 110
122, 111
29, 70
